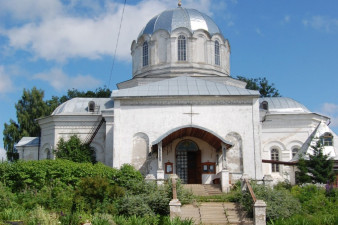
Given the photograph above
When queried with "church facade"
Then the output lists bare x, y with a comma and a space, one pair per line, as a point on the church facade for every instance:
182, 113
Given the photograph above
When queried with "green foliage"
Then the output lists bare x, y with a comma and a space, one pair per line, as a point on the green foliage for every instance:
131, 179
262, 85
31, 106
317, 169
280, 203
75, 150
97, 194
37, 174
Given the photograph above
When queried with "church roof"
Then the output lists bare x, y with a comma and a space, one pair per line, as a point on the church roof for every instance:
284, 105
28, 141
183, 86
171, 19
80, 106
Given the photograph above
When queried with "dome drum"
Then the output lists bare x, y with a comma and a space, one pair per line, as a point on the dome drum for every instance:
181, 40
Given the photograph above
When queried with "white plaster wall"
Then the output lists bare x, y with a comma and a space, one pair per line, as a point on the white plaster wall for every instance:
155, 120
53, 128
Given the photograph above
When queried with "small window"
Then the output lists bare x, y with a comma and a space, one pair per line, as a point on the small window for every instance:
91, 106
182, 48
209, 168
275, 157
217, 55
294, 152
327, 139
145, 54
265, 105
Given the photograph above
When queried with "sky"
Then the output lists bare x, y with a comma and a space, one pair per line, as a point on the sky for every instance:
56, 45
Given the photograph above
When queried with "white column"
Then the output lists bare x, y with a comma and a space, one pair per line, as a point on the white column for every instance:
109, 159
225, 177
160, 172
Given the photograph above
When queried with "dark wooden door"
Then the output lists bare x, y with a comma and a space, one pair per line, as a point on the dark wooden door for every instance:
194, 168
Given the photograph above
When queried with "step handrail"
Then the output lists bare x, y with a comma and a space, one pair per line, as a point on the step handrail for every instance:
253, 196
259, 206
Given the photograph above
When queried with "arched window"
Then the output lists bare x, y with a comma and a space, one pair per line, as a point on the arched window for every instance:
217, 55
294, 151
265, 105
182, 48
145, 54
327, 139
274, 156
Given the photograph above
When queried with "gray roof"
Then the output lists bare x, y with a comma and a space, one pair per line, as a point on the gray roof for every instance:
28, 141
80, 106
171, 19
284, 105
183, 86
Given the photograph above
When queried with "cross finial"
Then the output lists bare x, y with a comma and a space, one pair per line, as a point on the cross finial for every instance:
179, 3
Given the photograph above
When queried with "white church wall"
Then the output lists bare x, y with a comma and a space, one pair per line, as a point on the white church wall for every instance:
64, 126
284, 132
155, 120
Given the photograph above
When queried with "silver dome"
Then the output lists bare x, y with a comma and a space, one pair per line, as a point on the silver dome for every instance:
171, 19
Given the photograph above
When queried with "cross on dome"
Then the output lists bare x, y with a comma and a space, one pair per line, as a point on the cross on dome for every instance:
179, 3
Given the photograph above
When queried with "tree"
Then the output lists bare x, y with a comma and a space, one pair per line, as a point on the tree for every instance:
318, 168
262, 85
75, 150
30, 107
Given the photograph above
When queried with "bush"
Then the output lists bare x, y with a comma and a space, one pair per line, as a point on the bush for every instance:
131, 205
75, 150
131, 179
37, 174
96, 194
280, 203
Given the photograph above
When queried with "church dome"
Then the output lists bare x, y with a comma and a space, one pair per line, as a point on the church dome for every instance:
180, 17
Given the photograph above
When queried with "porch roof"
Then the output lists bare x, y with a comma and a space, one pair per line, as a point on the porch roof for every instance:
194, 131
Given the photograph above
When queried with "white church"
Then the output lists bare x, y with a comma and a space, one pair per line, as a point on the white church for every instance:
182, 113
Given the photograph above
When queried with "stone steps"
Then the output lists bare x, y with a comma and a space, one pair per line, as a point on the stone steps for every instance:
204, 189
215, 213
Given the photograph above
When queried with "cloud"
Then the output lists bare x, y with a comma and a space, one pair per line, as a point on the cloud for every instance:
286, 19
322, 23
60, 81
6, 84
259, 32
331, 110
54, 30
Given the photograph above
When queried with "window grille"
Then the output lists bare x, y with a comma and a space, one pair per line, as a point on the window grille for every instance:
145, 54
182, 48
217, 55
274, 156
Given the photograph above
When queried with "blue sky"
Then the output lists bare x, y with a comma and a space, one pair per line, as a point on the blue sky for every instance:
56, 45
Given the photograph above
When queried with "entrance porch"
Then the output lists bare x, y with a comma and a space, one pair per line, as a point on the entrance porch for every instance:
196, 155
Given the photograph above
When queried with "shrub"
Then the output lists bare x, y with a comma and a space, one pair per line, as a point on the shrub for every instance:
93, 193
280, 203
75, 150
131, 179
37, 174
131, 205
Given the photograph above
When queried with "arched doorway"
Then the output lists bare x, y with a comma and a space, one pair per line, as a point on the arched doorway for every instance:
188, 162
